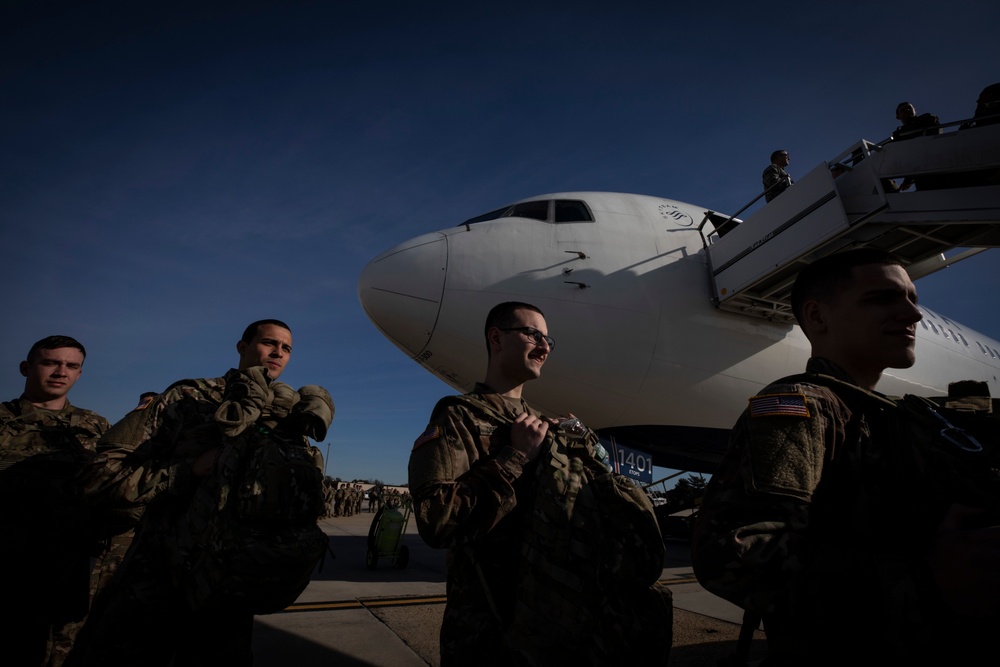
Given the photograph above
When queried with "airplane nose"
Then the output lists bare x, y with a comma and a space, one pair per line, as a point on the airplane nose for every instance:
401, 290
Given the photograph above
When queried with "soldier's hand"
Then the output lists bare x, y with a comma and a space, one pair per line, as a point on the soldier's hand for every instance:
527, 433
965, 561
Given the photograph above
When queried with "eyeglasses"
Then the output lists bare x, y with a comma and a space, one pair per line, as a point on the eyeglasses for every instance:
534, 334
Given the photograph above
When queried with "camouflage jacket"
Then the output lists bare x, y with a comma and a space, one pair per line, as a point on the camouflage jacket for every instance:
822, 512
47, 536
466, 479
773, 175
19, 417
41, 439
144, 463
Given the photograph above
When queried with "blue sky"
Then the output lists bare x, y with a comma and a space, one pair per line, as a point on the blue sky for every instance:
170, 175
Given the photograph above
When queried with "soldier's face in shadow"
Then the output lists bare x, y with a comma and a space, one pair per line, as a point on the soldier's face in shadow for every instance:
52, 373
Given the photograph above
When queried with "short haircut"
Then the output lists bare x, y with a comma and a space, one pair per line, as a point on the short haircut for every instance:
251, 329
826, 277
900, 106
501, 316
54, 343
990, 94
776, 154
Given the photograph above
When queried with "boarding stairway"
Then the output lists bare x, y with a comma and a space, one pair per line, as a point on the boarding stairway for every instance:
849, 202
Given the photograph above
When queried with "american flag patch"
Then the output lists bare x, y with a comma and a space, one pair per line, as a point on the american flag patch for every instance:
783, 405
432, 433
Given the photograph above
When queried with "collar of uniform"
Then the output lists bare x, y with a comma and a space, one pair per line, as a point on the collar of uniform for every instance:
827, 367
27, 406
506, 406
822, 366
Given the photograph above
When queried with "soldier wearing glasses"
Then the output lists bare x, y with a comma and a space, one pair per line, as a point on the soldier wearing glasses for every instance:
467, 474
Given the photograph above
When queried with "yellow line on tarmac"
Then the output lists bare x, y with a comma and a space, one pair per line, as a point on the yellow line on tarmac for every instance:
366, 602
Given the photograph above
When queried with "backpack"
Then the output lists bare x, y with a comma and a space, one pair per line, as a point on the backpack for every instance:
953, 442
592, 553
250, 539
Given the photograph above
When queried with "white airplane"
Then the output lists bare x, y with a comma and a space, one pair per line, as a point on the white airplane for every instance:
664, 329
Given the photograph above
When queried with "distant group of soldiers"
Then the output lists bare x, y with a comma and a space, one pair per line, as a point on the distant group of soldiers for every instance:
342, 498
347, 499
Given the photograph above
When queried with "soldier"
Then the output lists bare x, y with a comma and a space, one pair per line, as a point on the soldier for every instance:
114, 547
833, 514
43, 441
339, 495
373, 498
155, 458
913, 126
776, 179
328, 487
466, 474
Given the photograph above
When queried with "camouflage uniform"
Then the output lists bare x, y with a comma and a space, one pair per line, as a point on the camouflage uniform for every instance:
820, 518
45, 555
146, 467
465, 479
338, 500
116, 546
773, 174
328, 487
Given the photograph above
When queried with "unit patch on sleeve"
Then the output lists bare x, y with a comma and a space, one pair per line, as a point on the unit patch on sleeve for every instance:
779, 405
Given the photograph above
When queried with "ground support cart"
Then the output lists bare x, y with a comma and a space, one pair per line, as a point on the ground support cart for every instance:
385, 535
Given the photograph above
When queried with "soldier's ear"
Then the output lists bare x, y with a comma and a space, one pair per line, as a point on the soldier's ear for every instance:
815, 316
23, 367
241, 345
495, 336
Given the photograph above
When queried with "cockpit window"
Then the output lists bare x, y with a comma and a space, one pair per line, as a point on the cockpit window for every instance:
572, 210
536, 210
492, 215
563, 210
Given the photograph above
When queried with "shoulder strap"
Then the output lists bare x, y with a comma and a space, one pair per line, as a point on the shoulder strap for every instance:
927, 411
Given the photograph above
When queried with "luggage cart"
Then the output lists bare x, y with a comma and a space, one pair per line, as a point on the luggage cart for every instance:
385, 535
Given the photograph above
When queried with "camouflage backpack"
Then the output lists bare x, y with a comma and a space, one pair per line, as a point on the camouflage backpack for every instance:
592, 554
250, 538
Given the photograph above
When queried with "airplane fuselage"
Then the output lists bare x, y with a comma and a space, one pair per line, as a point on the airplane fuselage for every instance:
642, 350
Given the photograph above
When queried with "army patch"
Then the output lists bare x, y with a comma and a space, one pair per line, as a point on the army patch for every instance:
779, 405
432, 433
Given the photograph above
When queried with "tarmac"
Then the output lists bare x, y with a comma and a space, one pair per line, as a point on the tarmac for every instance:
351, 615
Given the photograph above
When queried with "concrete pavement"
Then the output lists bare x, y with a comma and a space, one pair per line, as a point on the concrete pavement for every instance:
353, 616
